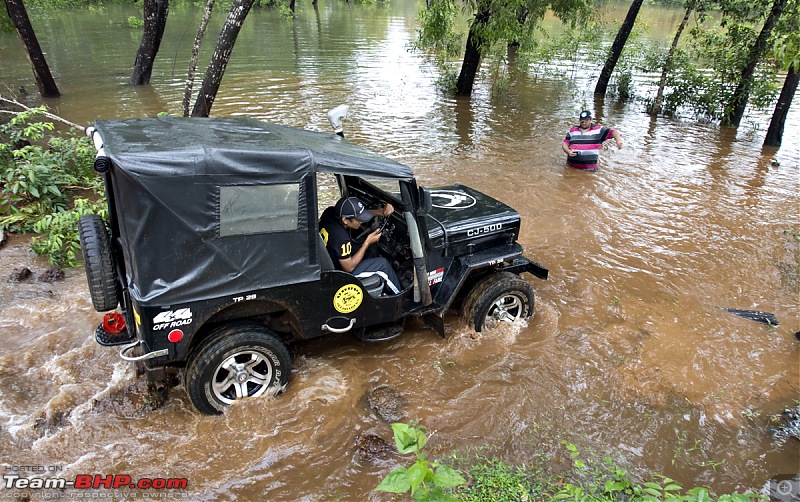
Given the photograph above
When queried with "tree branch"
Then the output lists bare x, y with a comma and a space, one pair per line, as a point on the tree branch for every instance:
14, 102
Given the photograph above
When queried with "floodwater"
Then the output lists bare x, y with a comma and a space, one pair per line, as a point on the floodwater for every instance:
630, 353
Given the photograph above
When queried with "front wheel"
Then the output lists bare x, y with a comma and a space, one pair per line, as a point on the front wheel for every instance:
236, 362
500, 298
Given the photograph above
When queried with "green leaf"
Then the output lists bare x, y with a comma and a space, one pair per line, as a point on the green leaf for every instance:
405, 438
439, 495
409, 438
653, 492
416, 474
395, 482
615, 486
700, 493
447, 477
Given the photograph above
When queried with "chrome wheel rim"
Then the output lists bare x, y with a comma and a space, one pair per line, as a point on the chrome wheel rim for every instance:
243, 374
506, 309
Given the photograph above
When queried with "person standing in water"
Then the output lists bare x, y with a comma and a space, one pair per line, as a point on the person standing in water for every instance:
583, 142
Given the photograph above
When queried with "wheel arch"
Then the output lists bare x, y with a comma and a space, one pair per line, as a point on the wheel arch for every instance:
471, 278
275, 316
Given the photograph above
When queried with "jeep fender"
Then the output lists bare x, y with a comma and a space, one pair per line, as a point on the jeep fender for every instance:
508, 258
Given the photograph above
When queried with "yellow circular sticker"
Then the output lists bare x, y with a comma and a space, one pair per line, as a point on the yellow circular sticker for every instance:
348, 298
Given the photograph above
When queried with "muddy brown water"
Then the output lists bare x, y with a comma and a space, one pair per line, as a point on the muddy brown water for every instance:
630, 353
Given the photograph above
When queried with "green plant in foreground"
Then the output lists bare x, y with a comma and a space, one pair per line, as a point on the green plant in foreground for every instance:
492, 479
611, 483
425, 480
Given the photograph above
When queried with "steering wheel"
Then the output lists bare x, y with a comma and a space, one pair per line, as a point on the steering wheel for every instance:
374, 223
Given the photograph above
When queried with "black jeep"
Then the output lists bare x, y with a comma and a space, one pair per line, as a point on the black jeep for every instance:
213, 255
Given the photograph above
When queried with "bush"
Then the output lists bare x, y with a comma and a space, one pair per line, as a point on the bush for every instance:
42, 175
60, 240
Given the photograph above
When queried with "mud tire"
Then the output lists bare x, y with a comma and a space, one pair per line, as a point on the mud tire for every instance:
97, 261
242, 350
501, 290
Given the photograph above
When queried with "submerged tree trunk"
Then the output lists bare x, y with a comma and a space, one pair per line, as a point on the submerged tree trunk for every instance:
513, 46
220, 58
22, 23
198, 39
616, 48
155, 20
775, 130
472, 53
735, 112
657, 103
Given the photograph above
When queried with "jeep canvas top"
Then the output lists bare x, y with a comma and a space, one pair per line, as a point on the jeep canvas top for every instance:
211, 262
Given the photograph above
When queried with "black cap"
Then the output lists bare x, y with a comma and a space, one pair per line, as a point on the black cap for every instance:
351, 207
585, 115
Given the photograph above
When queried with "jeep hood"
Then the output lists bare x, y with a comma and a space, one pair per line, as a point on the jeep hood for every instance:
462, 215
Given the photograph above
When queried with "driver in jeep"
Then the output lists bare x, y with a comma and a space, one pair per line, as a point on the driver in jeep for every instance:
336, 226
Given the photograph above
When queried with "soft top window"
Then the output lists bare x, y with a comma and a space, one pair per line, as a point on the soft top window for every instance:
255, 209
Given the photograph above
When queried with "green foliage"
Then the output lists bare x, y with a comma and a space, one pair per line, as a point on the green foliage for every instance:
786, 37
437, 37
135, 22
494, 480
706, 70
425, 480
562, 55
609, 482
725, 53
286, 12
40, 176
437, 31
6, 26
59, 240
447, 79
44, 8
503, 22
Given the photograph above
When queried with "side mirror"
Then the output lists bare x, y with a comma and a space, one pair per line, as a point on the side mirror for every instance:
335, 117
425, 201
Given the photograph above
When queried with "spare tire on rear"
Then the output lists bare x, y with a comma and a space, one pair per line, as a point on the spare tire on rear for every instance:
97, 262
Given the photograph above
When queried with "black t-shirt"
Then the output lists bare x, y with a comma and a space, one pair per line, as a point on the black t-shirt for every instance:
339, 243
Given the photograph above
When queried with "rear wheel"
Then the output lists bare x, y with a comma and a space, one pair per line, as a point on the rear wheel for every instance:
97, 262
236, 361
500, 298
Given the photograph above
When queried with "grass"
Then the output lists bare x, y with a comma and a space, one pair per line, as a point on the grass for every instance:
490, 479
